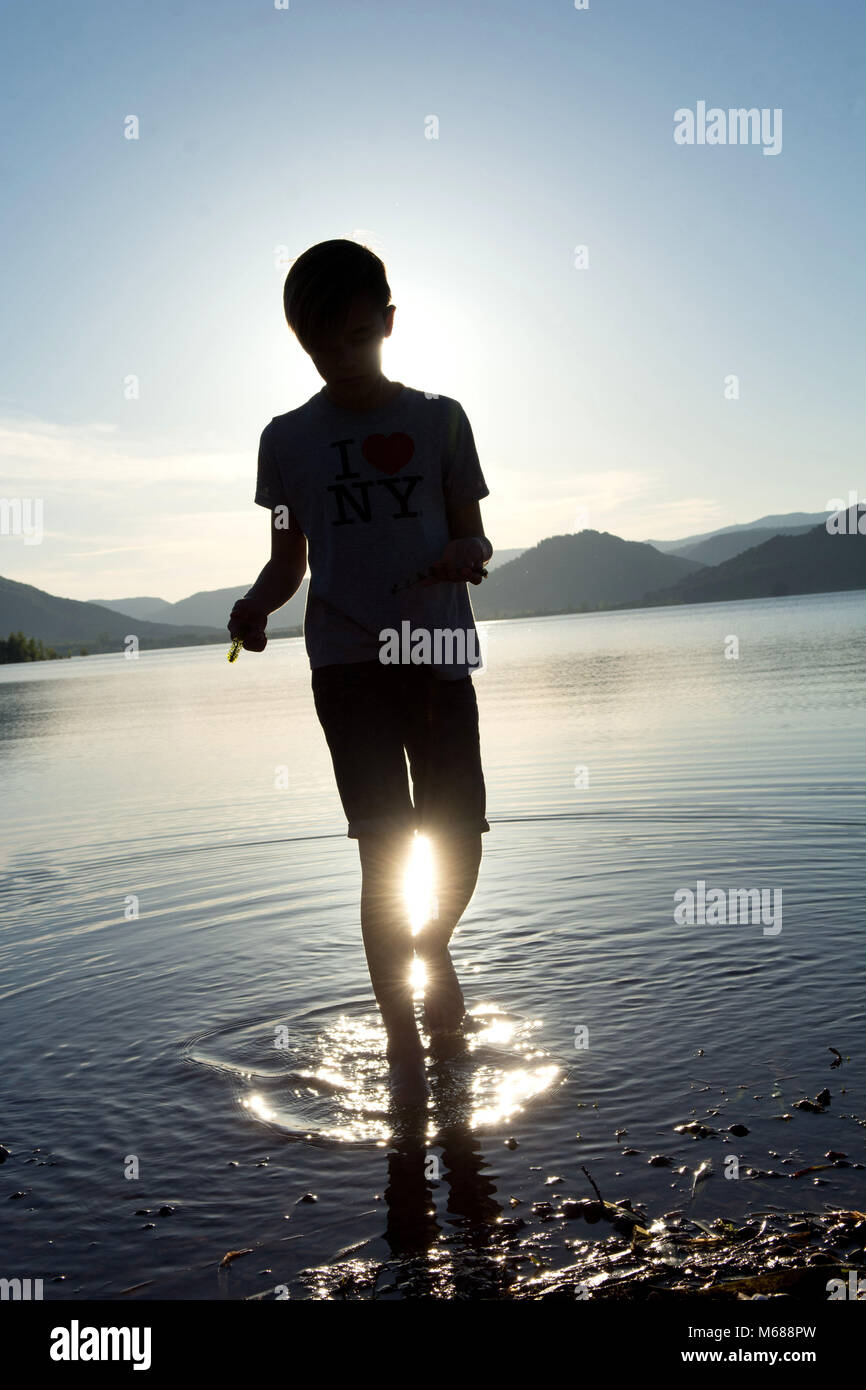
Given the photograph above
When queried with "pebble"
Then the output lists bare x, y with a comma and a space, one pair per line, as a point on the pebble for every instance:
696, 1129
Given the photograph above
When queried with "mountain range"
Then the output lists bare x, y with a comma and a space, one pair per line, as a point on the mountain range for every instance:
812, 562
581, 572
741, 536
576, 573
70, 625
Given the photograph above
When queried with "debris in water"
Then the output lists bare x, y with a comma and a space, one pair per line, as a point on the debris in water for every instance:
232, 1255
695, 1129
701, 1175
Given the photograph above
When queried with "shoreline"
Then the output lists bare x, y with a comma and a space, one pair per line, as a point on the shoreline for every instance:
770, 1254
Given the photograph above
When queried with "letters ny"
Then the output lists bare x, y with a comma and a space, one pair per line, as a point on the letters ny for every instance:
352, 495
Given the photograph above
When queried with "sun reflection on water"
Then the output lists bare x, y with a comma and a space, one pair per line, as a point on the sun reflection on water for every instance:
335, 1085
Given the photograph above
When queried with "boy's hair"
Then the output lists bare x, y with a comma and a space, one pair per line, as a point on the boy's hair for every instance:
324, 281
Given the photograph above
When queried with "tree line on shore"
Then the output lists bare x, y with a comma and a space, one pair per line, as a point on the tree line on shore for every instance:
17, 647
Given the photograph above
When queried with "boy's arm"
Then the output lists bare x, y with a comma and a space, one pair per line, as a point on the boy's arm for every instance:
463, 486
468, 550
465, 523
281, 577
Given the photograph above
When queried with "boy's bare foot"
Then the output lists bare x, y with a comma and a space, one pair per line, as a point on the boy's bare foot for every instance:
444, 1006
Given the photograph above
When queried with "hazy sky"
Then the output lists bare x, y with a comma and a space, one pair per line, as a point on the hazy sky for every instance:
596, 394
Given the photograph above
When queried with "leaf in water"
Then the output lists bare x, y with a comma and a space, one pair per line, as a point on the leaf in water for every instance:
232, 1255
701, 1174
704, 1227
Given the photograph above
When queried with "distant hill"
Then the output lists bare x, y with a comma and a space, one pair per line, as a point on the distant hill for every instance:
69, 624
212, 606
815, 562
59, 621
575, 573
151, 608
727, 544
776, 525
503, 557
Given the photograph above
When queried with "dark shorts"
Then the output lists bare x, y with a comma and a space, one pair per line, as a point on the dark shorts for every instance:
371, 712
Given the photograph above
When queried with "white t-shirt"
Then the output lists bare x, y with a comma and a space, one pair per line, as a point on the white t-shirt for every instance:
368, 489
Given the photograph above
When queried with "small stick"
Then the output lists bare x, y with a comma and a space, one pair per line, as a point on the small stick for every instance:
592, 1180
422, 574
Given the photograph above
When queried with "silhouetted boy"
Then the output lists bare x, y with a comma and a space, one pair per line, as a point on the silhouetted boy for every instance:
383, 483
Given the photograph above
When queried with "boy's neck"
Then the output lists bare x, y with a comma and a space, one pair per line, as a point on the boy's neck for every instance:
362, 395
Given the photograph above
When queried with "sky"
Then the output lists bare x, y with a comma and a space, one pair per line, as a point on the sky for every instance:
699, 363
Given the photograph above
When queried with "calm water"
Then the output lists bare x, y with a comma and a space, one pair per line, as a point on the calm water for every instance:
225, 1039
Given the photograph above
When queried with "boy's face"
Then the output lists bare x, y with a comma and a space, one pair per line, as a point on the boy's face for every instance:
355, 351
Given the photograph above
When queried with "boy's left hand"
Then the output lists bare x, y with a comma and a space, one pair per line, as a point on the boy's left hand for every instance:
463, 559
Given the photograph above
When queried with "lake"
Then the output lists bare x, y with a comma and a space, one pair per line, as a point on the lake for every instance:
187, 1020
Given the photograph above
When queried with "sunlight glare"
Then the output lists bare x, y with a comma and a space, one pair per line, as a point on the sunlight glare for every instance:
418, 883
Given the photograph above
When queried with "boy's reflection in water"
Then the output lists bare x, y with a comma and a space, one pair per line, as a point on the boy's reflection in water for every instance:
413, 1227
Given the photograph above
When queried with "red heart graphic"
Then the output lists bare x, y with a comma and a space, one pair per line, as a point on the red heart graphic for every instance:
388, 452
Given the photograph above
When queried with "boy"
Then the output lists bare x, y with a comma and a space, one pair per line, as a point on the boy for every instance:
383, 483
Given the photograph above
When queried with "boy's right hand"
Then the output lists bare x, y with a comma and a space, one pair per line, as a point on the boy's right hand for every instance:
248, 621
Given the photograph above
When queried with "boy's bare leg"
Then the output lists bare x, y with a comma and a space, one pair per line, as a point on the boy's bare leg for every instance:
456, 860
388, 940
